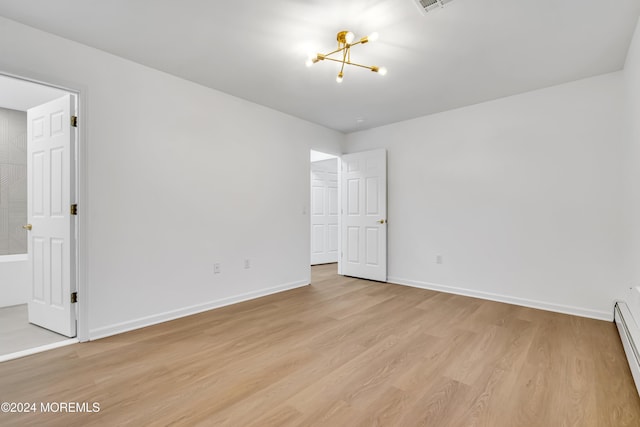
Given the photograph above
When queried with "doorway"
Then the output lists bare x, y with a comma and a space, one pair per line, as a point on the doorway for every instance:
18, 178
324, 208
348, 213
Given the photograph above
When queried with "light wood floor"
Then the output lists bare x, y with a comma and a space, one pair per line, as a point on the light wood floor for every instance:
342, 352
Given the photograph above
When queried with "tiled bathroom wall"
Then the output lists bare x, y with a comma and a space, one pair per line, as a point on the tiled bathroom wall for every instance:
13, 181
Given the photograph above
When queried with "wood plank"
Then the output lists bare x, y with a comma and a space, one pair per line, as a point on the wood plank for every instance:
342, 351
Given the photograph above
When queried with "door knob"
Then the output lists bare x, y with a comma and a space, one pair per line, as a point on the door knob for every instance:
27, 227
382, 221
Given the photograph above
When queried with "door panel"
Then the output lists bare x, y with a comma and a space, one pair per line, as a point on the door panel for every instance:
353, 196
371, 246
372, 202
364, 214
37, 256
332, 244
50, 146
353, 245
318, 232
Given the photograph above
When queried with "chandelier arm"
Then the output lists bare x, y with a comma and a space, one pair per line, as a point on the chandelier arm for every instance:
336, 60
361, 66
349, 63
344, 58
335, 51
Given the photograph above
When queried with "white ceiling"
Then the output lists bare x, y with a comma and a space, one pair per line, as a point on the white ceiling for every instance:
17, 94
317, 156
470, 51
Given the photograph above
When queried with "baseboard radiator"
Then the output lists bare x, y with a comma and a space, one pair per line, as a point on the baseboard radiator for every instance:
627, 318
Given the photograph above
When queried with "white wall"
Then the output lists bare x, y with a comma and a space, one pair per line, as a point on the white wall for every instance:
178, 177
632, 81
522, 196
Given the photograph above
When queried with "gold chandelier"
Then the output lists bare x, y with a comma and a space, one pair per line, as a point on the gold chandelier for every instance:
345, 42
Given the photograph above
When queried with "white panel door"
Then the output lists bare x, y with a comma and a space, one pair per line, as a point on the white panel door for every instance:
364, 215
324, 211
50, 165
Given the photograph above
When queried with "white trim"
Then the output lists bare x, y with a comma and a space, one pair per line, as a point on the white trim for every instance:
82, 251
29, 352
340, 220
142, 322
14, 258
541, 305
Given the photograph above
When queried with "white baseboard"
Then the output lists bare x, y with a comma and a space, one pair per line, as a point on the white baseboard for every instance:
29, 352
542, 305
142, 322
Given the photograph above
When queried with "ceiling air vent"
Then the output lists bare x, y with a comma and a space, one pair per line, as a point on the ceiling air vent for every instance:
427, 5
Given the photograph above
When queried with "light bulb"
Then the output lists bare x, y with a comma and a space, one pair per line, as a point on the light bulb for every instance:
339, 78
373, 37
309, 62
350, 37
382, 71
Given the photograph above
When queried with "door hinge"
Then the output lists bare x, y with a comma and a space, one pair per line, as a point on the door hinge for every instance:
74, 297
74, 209
74, 121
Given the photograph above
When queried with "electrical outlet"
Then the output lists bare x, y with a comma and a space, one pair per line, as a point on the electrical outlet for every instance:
216, 268
438, 259
247, 263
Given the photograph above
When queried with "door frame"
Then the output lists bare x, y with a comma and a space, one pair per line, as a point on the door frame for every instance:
340, 215
340, 208
80, 165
